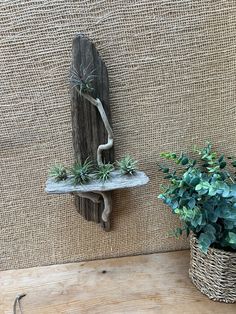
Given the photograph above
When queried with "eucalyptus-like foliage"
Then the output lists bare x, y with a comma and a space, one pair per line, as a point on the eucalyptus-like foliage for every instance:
202, 192
58, 172
127, 165
104, 172
81, 172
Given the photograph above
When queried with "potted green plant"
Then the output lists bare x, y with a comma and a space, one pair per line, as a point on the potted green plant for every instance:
202, 193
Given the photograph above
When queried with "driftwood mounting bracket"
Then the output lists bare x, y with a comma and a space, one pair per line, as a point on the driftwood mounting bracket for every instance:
92, 135
98, 192
89, 111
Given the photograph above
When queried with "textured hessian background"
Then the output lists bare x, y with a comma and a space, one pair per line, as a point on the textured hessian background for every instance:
172, 83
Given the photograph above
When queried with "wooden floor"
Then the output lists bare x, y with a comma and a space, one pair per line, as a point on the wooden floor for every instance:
156, 283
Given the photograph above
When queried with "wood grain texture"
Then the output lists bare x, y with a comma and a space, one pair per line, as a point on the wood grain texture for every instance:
116, 181
156, 283
87, 127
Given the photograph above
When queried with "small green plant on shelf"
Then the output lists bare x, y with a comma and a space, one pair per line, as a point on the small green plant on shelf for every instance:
127, 165
81, 172
103, 172
58, 172
202, 193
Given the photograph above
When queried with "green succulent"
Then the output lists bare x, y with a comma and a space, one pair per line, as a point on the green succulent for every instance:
203, 195
127, 165
81, 172
82, 79
58, 172
104, 172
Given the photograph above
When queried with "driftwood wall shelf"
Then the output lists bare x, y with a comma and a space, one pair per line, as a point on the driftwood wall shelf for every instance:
92, 137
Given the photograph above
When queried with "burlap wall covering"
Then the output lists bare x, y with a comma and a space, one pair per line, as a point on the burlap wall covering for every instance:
172, 77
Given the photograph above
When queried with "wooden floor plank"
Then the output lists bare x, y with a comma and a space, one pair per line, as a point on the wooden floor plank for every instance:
156, 283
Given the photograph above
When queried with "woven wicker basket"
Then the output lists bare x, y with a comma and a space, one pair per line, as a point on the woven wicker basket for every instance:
214, 273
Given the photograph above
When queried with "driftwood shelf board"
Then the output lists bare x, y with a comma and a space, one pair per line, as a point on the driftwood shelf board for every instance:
116, 182
92, 135
97, 191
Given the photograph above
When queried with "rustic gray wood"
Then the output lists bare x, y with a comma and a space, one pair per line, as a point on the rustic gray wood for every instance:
96, 188
87, 127
117, 181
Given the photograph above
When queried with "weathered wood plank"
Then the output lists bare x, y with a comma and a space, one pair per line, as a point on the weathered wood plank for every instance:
87, 127
116, 181
156, 283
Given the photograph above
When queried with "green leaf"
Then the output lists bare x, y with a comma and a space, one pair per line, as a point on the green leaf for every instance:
222, 164
221, 158
226, 191
232, 237
196, 220
168, 155
195, 181
168, 176
198, 187
192, 203
194, 162
181, 192
233, 190
212, 191
213, 215
161, 196
229, 214
228, 224
209, 229
203, 186
184, 161
214, 169
204, 242
165, 170
178, 232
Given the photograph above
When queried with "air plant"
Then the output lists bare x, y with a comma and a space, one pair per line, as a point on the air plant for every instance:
58, 172
82, 80
104, 172
127, 165
81, 172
